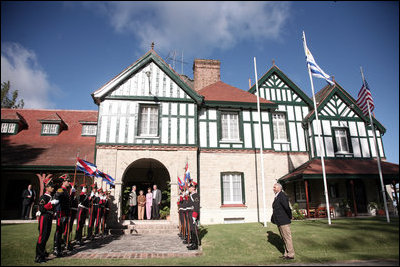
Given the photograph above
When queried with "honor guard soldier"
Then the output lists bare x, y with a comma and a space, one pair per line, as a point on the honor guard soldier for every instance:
83, 208
73, 212
180, 213
92, 211
45, 218
106, 211
194, 211
100, 201
62, 213
186, 233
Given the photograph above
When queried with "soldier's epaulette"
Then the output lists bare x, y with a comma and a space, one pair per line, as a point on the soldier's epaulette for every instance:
60, 190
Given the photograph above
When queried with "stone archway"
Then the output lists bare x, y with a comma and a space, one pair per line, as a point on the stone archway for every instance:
144, 173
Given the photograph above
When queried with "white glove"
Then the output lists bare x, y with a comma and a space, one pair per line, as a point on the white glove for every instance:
73, 190
91, 194
38, 213
54, 201
97, 194
194, 219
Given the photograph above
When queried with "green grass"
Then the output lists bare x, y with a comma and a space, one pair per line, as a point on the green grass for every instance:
242, 244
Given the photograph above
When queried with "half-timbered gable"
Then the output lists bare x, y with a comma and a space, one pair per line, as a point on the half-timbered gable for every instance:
148, 103
345, 131
287, 133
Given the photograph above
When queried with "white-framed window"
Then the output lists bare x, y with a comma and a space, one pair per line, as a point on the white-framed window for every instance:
230, 126
300, 191
342, 142
8, 127
89, 129
148, 125
232, 188
279, 124
50, 128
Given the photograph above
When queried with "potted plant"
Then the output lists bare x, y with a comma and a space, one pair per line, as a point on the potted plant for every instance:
125, 202
344, 207
165, 204
372, 208
381, 211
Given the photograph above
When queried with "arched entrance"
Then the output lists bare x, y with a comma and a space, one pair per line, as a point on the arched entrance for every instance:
144, 173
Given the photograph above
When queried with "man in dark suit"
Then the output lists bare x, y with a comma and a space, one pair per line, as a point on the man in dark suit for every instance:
281, 216
28, 197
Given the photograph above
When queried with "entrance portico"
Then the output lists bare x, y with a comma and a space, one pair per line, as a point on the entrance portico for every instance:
142, 166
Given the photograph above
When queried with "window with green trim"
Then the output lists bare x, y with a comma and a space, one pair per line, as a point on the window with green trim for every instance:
300, 192
50, 128
148, 121
279, 125
230, 126
8, 127
232, 187
341, 140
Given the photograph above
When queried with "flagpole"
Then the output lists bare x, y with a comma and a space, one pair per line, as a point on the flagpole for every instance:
261, 144
77, 155
322, 150
378, 158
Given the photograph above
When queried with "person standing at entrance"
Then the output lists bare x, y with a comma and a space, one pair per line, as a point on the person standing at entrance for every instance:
149, 202
156, 202
28, 197
132, 203
281, 216
141, 199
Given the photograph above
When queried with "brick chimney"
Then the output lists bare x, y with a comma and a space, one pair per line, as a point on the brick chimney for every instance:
206, 72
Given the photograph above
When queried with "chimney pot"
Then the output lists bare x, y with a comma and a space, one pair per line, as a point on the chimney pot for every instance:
206, 72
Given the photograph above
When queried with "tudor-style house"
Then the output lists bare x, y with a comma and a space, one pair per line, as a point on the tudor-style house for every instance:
152, 122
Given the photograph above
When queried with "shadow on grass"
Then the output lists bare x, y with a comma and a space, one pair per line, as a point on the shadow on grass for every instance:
276, 240
202, 232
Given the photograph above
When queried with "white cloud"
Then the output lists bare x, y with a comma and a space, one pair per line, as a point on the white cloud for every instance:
196, 27
20, 66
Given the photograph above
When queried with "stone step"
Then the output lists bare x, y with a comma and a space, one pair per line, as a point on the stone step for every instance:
154, 226
133, 231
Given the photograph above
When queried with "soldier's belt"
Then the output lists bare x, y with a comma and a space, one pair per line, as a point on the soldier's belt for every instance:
81, 206
74, 208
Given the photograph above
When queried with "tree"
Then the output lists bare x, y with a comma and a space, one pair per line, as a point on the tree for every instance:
7, 102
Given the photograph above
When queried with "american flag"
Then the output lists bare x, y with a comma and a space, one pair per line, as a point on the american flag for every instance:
365, 98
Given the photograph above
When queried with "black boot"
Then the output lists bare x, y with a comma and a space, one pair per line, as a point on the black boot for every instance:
193, 246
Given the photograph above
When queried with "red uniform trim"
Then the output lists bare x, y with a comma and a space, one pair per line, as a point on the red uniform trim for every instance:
41, 230
195, 214
79, 219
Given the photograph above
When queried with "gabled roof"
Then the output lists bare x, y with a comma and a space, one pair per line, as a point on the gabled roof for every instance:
275, 70
221, 92
343, 168
30, 148
325, 94
150, 56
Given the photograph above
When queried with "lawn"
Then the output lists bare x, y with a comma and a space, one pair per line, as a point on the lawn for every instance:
242, 244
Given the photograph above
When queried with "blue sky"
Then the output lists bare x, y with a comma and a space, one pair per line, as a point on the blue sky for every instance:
57, 53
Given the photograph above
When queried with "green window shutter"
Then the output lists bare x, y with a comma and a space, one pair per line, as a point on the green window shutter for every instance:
243, 190
222, 188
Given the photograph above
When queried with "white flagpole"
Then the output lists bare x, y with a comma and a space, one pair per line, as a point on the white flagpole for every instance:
261, 145
378, 158
322, 150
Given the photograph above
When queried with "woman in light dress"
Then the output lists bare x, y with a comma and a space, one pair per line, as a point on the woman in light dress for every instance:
149, 202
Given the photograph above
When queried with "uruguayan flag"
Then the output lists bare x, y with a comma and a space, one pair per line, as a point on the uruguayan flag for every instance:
314, 68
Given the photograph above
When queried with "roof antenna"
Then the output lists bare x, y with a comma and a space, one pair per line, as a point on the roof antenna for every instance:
152, 45
273, 62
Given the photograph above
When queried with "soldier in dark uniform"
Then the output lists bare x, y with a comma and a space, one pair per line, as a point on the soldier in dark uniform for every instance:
180, 214
73, 211
185, 211
45, 214
62, 213
106, 211
83, 208
194, 212
92, 211
100, 201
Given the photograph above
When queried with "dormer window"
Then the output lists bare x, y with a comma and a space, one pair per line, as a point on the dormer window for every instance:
50, 129
52, 125
89, 130
9, 128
